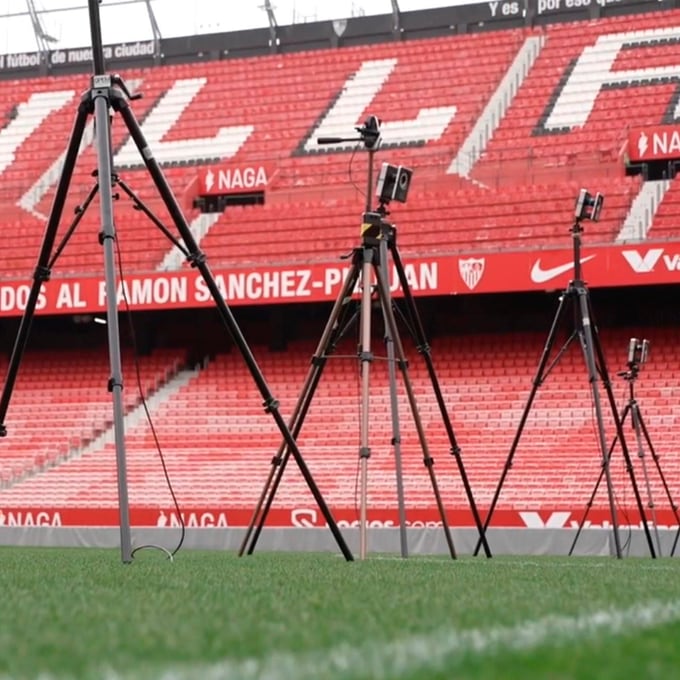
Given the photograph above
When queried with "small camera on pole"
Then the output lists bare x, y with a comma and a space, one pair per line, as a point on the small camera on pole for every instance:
393, 184
638, 352
588, 207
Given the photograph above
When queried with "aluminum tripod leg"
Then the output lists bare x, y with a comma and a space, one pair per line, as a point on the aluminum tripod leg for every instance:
332, 331
424, 350
394, 397
604, 375
98, 100
635, 413
198, 260
428, 461
366, 358
588, 347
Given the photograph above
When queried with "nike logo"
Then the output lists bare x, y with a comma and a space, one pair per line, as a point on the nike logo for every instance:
540, 275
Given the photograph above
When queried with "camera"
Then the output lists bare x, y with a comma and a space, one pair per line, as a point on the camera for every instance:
393, 183
588, 207
638, 351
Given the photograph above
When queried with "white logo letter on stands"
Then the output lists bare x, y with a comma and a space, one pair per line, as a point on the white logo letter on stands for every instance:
357, 94
642, 264
533, 520
28, 119
162, 119
593, 70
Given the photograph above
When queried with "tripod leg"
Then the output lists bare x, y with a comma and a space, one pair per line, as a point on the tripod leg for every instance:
402, 363
333, 329
107, 239
365, 357
637, 427
424, 350
589, 504
662, 477
592, 349
197, 259
588, 346
381, 273
537, 382
42, 272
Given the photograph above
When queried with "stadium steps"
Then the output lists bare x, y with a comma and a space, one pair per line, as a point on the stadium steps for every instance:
42, 437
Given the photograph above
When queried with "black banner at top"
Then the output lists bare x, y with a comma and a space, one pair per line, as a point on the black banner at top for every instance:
478, 16
32, 61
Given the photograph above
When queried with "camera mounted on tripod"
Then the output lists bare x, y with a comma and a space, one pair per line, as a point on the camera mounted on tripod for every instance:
638, 352
588, 207
393, 183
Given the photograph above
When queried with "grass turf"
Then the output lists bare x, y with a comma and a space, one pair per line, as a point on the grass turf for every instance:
76, 613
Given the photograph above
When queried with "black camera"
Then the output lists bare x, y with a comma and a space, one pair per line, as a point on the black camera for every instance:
588, 207
393, 183
638, 351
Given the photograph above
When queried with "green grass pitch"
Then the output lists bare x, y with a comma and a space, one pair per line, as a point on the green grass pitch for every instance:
77, 613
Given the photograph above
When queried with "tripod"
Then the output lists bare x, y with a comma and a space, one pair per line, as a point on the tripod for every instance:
576, 301
642, 437
109, 92
371, 257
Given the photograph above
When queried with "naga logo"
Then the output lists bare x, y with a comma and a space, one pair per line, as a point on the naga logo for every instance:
643, 143
209, 180
642, 264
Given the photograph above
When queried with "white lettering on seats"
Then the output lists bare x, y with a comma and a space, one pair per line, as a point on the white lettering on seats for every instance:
356, 96
29, 116
593, 70
163, 118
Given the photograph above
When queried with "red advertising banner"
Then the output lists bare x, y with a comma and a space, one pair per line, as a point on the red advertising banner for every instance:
310, 516
233, 179
654, 143
613, 265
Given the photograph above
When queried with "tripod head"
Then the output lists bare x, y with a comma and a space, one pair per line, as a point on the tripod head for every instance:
369, 135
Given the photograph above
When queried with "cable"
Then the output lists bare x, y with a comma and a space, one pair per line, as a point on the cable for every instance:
349, 171
140, 389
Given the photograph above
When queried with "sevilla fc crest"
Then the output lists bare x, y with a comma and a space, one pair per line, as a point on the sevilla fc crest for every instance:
471, 271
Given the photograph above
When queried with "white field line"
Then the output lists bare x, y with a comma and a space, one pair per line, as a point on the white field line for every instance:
439, 650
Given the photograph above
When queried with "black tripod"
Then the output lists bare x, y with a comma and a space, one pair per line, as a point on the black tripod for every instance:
576, 301
378, 241
642, 437
108, 92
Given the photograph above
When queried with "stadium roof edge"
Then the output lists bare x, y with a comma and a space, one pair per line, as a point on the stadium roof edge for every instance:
365, 30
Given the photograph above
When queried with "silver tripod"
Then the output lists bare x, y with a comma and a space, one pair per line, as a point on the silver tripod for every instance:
638, 351
368, 271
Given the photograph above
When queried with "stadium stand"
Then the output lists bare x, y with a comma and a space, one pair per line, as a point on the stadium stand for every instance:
217, 442
507, 192
287, 93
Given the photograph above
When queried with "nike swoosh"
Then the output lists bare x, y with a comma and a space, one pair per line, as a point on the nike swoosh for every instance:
540, 275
